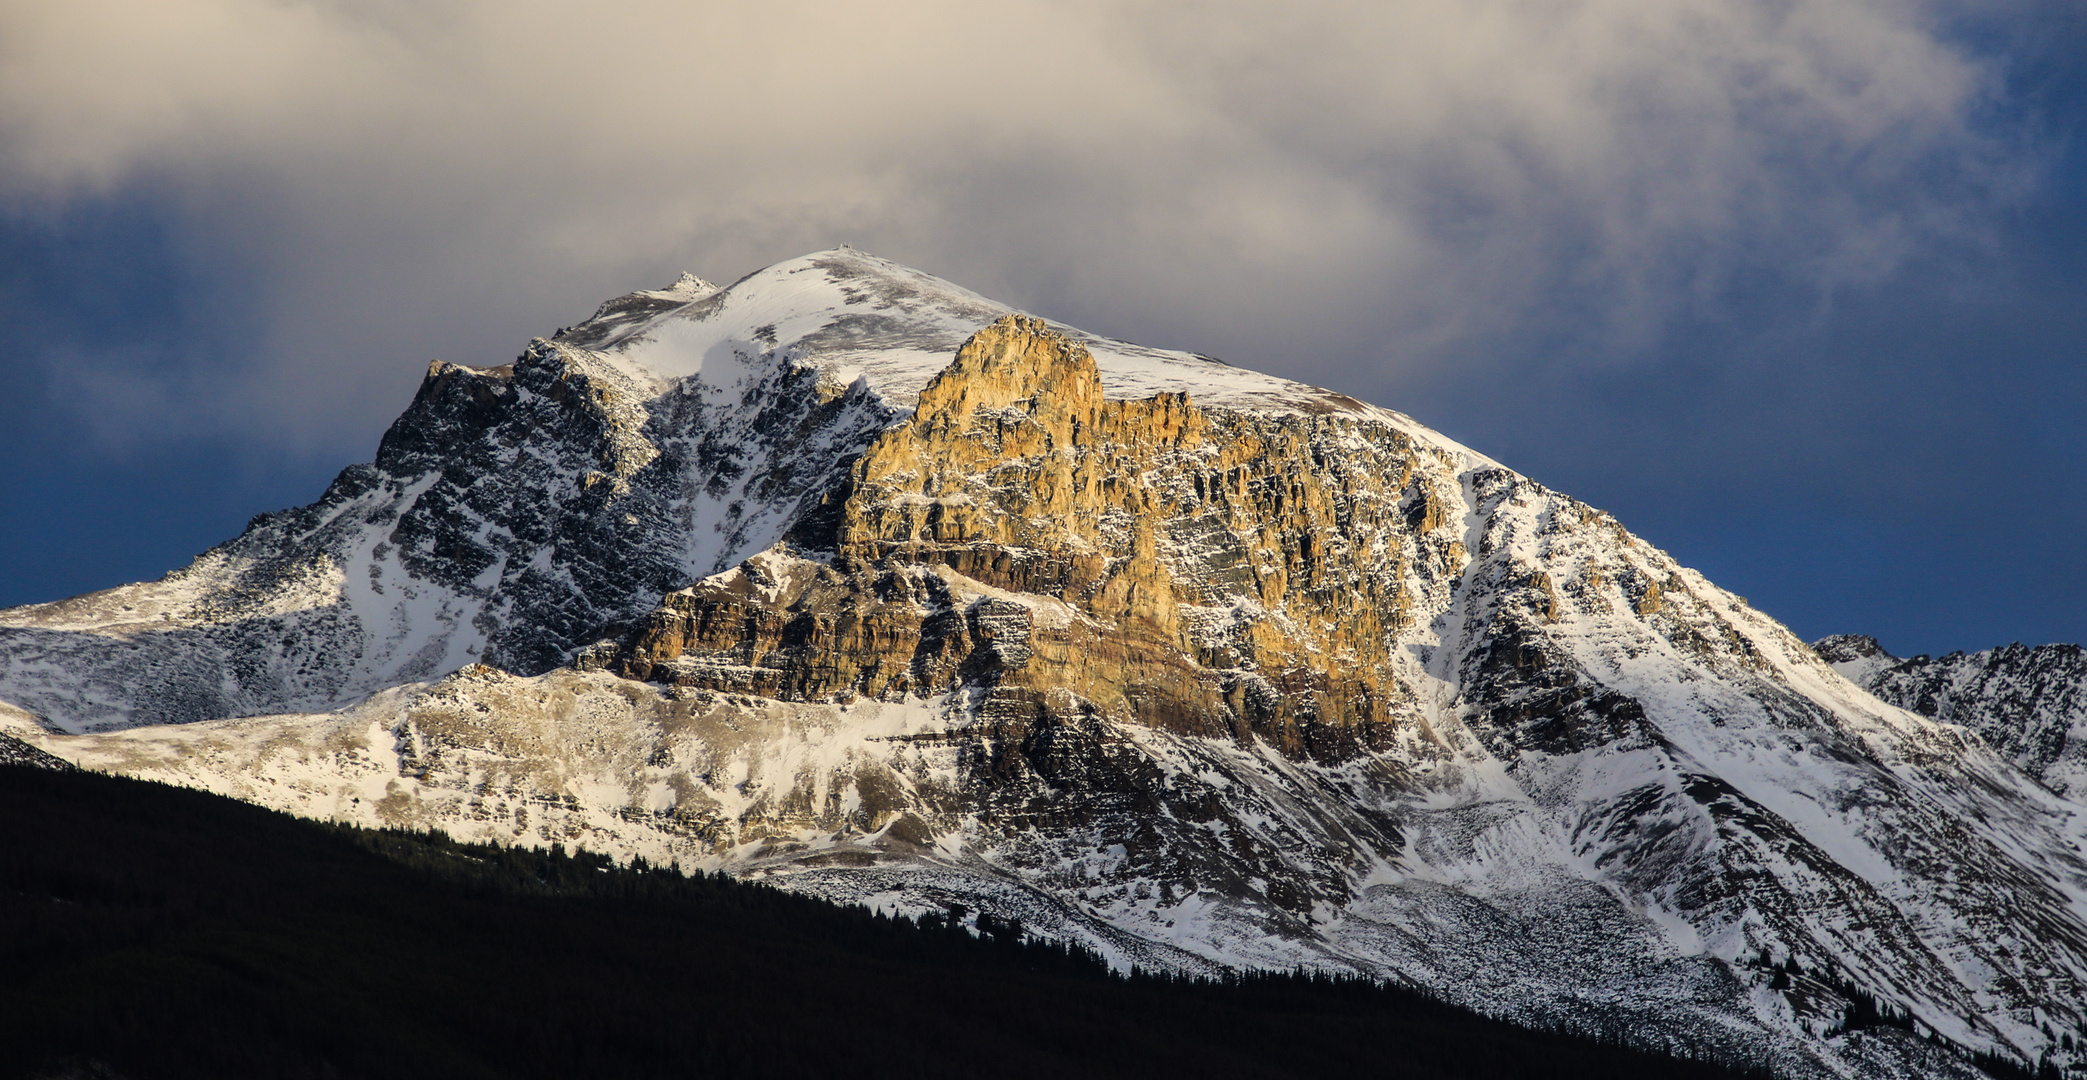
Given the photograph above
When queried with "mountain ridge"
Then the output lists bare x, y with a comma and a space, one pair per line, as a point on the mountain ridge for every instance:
2030, 702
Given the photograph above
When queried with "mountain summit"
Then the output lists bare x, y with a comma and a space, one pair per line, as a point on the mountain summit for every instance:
848, 578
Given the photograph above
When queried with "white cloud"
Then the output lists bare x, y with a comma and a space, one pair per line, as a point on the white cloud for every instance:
1294, 185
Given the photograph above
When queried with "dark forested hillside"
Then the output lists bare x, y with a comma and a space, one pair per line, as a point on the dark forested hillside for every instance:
150, 931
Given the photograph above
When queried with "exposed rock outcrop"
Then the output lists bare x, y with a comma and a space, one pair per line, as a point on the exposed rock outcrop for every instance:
1022, 533
14, 751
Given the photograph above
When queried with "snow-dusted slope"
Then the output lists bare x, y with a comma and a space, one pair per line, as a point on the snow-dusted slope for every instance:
2030, 703
1203, 667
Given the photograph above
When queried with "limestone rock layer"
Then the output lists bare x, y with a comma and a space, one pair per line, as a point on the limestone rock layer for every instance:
1194, 571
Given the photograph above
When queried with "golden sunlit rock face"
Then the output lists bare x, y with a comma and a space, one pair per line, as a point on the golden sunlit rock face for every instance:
1205, 572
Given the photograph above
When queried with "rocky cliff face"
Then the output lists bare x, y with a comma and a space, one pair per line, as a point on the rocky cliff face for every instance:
2029, 703
1026, 537
511, 514
851, 579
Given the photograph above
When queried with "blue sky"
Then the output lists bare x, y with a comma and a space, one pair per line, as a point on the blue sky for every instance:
1794, 289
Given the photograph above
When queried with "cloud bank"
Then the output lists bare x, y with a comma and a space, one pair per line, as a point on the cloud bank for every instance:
1314, 187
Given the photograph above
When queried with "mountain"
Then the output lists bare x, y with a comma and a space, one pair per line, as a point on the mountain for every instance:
2029, 703
851, 580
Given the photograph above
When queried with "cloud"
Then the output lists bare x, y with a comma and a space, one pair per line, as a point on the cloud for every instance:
1304, 187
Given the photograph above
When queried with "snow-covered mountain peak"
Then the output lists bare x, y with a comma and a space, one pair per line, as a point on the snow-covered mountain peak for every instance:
855, 315
1857, 657
686, 287
616, 318
849, 575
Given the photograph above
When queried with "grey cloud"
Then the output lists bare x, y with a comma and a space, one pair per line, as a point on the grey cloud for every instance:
1303, 187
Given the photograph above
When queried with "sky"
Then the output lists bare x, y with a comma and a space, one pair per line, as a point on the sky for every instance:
1795, 288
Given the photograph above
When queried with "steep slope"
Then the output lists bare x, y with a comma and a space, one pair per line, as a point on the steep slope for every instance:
848, 578
2029, 703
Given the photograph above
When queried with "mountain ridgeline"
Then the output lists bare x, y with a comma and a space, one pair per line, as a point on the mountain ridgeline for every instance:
2029, 703
851, 581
